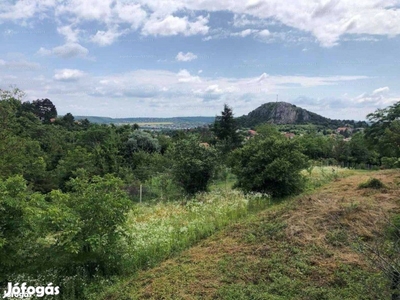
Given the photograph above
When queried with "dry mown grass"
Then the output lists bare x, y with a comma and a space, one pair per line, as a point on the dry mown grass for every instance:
300, 249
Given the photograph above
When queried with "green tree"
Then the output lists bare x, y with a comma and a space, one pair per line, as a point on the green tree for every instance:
20, 211
142, 141
384, 132
193, 165
67, 121
359, 150
268, 131
83, 225
75, 159
269, 164
224, 128
342, 151
44, 109
316, 146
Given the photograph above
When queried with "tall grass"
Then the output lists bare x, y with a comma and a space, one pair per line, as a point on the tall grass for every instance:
155, 232
318, 176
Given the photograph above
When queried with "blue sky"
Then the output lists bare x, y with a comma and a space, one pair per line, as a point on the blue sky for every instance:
164, 58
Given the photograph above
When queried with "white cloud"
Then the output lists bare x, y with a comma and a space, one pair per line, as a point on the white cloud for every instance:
185, 56
379, 96
245, 20
347, 106
130, 13
68, 50
25, 9
88, 10
214, 88
68, 75
70, 34
44, 52
326, 20
264, 33
184, 76
167, 93
244, 33
262, 77
20, 65
105, 38
172, 25
380, 90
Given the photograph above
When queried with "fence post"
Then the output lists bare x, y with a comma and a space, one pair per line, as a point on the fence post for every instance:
140, 193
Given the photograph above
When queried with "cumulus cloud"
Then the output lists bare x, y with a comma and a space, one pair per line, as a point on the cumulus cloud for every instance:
244, 33
214, 88
167, 93
347, 106
185, 56
130, 13
185, 77
106, 38
23, 10
172, 25
70, 34
327, 21
264, 33
379, 96
68, 75
68, 50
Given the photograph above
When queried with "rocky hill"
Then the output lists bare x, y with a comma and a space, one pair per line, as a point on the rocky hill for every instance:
286, 113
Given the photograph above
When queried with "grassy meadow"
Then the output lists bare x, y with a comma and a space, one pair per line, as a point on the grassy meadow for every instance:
301, 248
229, 224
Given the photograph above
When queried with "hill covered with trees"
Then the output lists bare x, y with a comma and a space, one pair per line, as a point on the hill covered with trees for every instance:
286, 113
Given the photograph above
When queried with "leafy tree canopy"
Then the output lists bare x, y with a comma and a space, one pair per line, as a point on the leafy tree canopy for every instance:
269, 164
193, 164
44, 109
384, 133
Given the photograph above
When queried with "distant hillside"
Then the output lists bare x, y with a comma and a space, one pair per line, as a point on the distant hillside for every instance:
176, 122
286, 113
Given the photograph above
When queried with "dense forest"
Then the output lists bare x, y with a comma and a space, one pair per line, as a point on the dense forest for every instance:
67, 186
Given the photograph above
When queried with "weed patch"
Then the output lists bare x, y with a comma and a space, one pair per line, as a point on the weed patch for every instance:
372, 183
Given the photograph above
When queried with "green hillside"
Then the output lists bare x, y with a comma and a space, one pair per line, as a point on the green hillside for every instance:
304, 248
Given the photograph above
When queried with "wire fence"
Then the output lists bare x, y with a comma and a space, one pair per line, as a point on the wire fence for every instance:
349, 165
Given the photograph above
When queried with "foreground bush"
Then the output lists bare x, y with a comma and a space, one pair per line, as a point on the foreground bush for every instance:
269, 163
193, 165
65, 234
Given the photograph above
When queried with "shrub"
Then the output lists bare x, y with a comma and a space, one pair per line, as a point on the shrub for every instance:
372, 183
390, 162
193, 165
269, 163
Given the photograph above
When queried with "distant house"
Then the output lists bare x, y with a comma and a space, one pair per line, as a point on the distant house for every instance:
289, 135
52, 120
252, 132
205, 145
344, 129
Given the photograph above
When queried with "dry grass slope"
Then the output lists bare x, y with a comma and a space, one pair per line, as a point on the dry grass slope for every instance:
300, 249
